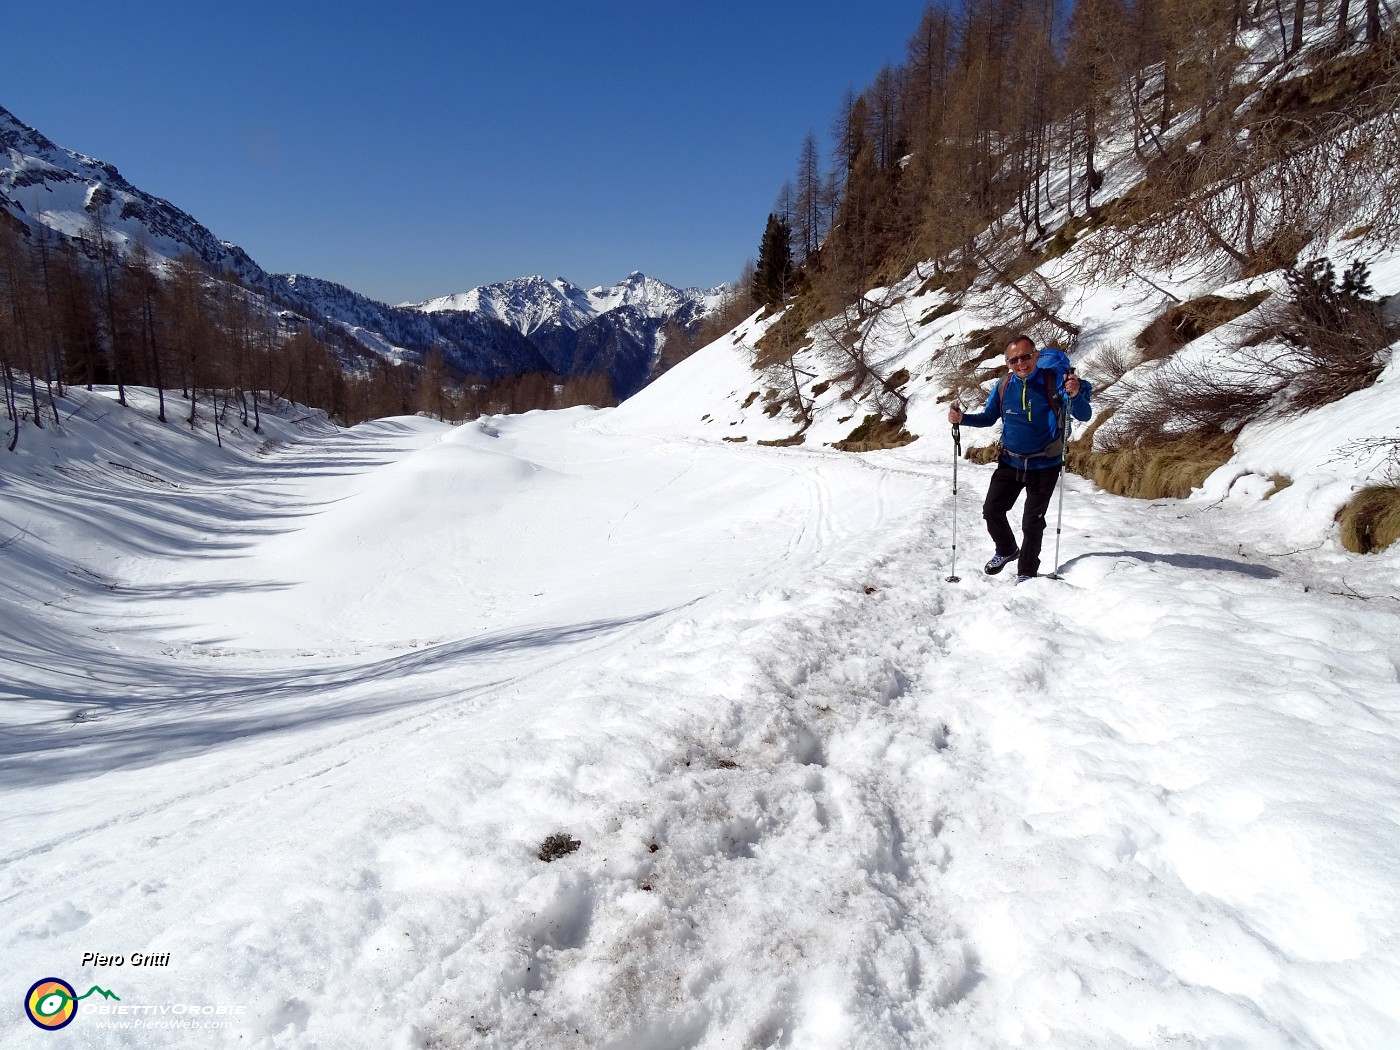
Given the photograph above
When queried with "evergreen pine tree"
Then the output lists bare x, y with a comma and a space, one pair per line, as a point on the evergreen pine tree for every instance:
774, 272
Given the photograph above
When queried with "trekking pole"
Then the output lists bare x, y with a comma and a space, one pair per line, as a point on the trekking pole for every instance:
1059, 482
957, 455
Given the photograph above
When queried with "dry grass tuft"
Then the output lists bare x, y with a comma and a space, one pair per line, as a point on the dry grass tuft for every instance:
1066, 236
982, 454
939, 311
876, 433
1161, 468
787, 442
1277, 253
954, 282
1191, 320
789, 335
1371, 520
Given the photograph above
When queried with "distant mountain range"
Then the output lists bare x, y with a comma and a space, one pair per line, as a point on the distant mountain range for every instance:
523, 325
532, 303
579, 331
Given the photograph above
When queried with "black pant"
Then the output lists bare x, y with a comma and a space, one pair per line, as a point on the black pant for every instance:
1006, 486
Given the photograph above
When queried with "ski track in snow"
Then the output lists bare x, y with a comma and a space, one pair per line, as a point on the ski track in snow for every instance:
824, 798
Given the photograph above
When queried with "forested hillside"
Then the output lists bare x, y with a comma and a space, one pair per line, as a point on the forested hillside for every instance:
997, 122
91, 309
1122, 180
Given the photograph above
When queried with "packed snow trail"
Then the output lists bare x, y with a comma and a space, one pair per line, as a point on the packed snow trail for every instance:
824, 798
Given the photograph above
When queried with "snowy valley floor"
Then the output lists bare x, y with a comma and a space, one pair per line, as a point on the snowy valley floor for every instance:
301, 717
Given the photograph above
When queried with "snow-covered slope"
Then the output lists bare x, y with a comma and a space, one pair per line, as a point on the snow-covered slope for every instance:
300, 714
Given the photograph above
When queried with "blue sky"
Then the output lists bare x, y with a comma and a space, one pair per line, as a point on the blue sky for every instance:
417, 149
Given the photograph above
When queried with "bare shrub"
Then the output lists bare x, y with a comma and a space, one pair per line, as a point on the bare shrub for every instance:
978, 360
1191, 399
1040, 299
1322, 341
787, 393
1334, 333
1177, 399
1173, 426
1163, 434
1112, 363
1387, 449
847, 347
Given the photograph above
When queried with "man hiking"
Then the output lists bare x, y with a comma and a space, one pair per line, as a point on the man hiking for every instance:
1029, 402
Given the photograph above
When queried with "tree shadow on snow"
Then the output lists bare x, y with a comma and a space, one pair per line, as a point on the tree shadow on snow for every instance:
141, 712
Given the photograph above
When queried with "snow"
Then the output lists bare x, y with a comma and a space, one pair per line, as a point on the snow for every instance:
377, 343
300, 712
530, 303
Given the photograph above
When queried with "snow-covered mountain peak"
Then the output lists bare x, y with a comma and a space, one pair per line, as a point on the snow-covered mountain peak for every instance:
44, 184
531, 303
524, 303
637, 289
31, 149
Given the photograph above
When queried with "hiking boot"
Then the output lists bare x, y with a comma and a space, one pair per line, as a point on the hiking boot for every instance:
999, 562
1023, 578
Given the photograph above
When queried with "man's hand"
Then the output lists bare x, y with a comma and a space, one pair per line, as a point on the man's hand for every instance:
1072, 385
955, 413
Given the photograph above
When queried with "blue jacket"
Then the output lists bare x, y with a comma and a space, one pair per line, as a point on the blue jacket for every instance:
1028, 422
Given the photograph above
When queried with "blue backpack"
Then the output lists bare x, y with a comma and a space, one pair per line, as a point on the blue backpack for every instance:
1052, 366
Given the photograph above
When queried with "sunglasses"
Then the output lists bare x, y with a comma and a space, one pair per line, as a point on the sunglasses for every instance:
1020, 359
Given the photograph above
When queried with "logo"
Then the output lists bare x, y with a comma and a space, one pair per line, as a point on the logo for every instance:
52, 1003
